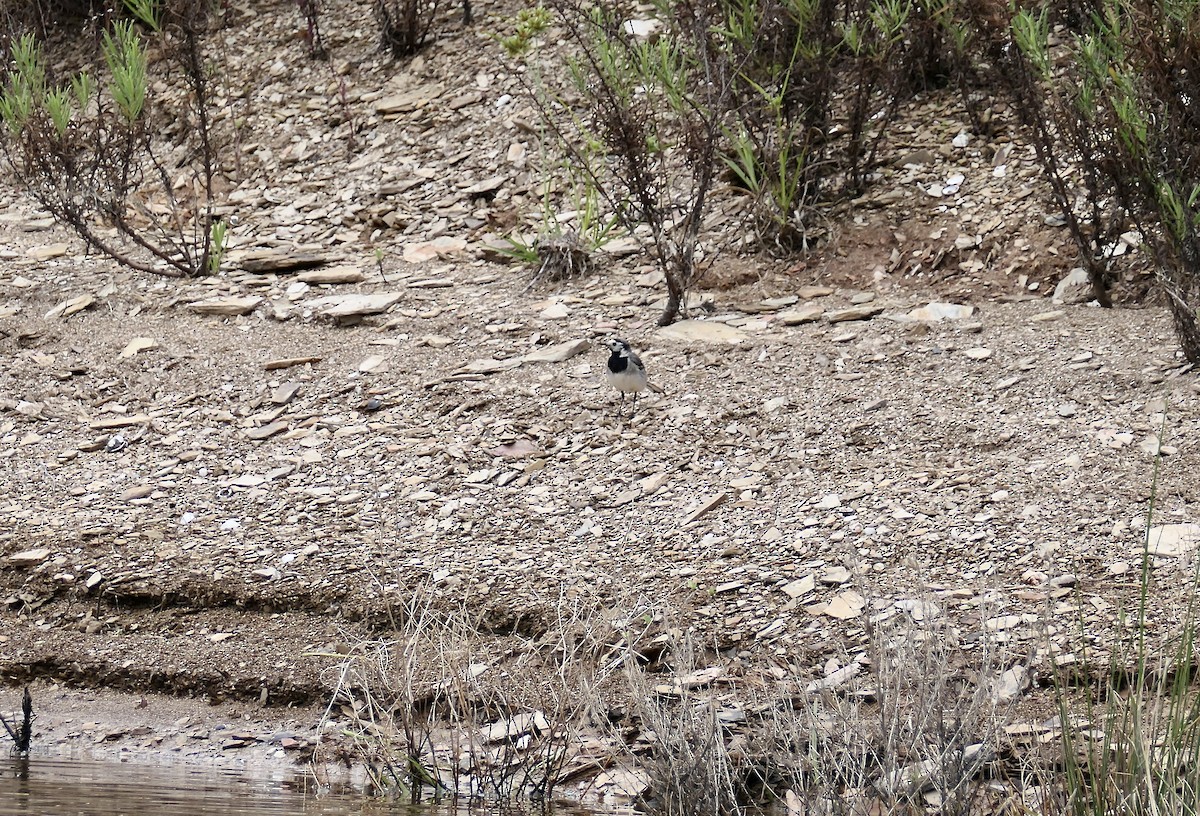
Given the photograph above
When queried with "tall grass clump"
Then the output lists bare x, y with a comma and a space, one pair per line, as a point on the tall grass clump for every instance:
1132, 745
912, 721
447, 708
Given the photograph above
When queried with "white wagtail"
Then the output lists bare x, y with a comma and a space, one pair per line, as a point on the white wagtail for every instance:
626, 372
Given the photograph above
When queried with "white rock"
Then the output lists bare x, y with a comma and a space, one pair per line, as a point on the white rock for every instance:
1173, 540
351, 305
1010, 684
942, 311
28, 557
1074, 288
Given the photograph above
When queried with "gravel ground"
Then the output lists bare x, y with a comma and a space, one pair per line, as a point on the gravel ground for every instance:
205, 504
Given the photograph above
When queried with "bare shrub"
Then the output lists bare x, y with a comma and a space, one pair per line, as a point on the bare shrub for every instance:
561, 257
920, 729
688, 765
445, 708
1130, 731
310, 10
912, 721
648, 141
20, 731
1110, 112
88, 152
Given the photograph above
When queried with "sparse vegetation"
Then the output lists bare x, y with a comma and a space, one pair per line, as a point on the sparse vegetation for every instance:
1130, 739
20, 731
310, 10
440, 708
88, 153
787, 107
649, 143
406, 25
1109, 107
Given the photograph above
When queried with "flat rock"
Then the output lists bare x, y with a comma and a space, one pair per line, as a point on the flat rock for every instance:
351, 305
779, 302
864, 312
835, 575
1011, 684
334, 274
799, 587
805, 314
70, 307
517, 449
374, 364
845, 605
138, 344
409, 100
432, 283
1075, 288
559, 352
978, 354
486, 366
279, 260
834, 679
47, 251
707, 505
813, 292
916, 158
622, 247
227, 306
119, 422
437, 248
555, 311
285, 393
288, 362
266, 431
702, 331
29, 557
137, 492
488, 185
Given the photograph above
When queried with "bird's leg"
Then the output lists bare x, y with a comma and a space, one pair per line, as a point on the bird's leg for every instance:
634, 410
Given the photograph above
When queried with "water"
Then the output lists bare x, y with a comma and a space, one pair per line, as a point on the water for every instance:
42, 786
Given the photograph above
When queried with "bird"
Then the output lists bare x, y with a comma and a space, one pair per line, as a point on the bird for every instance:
626, 372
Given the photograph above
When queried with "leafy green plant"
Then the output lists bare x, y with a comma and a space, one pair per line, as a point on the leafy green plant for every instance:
85, 152
781, 83
564, 247
527, 26
1059, 116
379, 256
217, 241
1116, 121
873, 37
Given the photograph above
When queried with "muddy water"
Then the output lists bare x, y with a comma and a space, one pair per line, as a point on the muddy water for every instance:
47, 786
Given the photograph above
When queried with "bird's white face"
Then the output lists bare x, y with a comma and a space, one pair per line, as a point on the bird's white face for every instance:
617, 346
